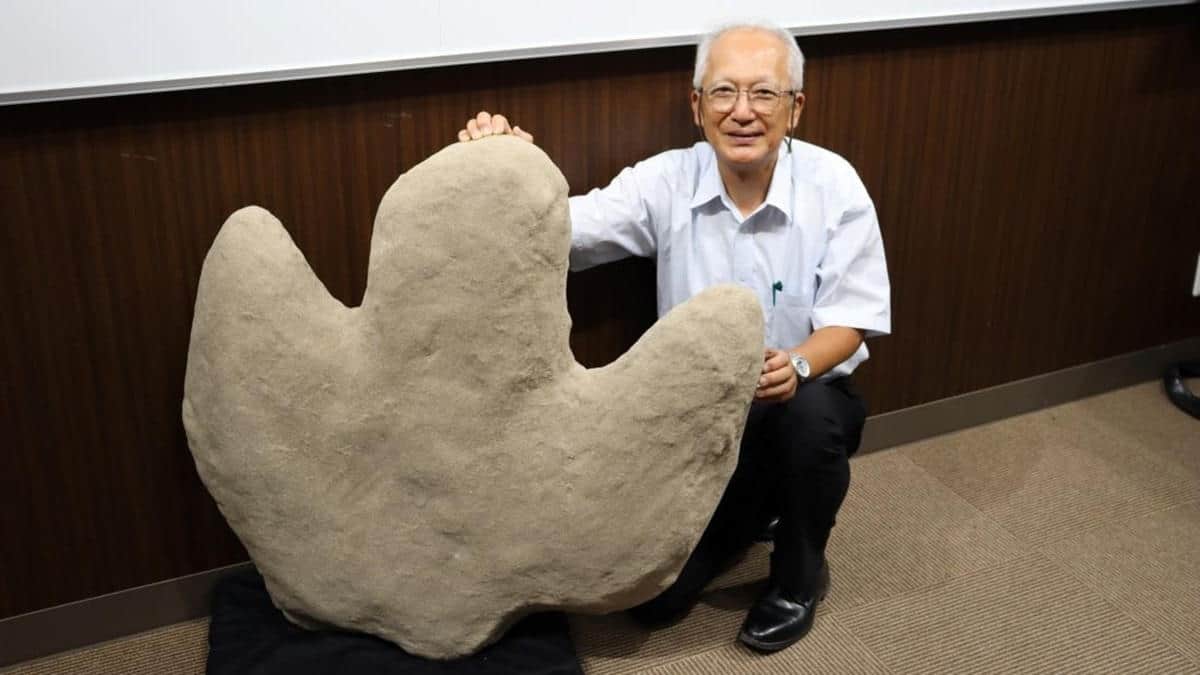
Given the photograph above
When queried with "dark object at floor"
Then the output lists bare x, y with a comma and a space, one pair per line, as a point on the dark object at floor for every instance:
248, 635
778, 620
1177, 390
767, 535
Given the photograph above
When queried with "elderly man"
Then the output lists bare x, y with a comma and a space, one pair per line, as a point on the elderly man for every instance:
794, 223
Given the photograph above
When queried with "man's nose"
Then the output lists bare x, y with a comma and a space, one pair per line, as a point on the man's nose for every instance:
741, 106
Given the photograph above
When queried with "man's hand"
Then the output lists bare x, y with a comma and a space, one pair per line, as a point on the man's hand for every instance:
778, 380
486, 124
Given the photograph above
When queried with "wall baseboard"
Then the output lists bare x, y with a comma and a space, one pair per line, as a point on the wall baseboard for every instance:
1015, 398
107, 617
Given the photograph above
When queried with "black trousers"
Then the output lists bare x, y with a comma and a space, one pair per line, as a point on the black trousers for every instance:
794, 463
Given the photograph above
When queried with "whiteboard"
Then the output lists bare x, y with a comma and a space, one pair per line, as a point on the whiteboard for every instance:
62, 49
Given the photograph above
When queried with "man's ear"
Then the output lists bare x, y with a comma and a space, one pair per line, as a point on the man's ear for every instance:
696, 110
797, 108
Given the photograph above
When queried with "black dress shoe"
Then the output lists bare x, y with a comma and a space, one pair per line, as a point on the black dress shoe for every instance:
778, 620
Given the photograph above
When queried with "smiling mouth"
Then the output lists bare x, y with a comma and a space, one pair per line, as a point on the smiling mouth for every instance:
743, 137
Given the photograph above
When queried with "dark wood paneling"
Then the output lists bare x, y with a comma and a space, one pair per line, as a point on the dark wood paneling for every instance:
1036, 183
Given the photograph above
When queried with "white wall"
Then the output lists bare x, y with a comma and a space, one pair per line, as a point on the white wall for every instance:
51, 49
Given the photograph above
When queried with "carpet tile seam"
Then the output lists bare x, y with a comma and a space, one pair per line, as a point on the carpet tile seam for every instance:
1158, 478
1117, 521
858, 641
1155, 633
928, 586
979, 513
1163, 509
842, 614
923, 586
982, 513
1035, 544
1168, 494
985, 572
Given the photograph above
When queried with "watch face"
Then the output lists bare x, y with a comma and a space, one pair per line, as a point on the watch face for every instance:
801, 366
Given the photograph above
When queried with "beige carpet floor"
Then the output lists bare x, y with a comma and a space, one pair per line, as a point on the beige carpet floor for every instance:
1062, 541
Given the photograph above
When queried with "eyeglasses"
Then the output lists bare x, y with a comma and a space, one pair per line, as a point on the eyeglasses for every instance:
763, 100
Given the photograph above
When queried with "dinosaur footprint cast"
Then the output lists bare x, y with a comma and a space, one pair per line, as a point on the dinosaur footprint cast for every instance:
433, 465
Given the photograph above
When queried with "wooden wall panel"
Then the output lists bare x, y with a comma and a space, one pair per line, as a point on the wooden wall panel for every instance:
1036, 185
1036, 182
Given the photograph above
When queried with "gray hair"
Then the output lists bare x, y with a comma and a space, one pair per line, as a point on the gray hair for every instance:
795, 57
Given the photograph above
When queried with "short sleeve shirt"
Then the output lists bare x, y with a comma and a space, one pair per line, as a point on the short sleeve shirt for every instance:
812, 252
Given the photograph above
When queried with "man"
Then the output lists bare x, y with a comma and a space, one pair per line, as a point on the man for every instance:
794, 223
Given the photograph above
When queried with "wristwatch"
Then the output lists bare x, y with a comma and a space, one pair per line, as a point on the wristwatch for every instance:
801, 365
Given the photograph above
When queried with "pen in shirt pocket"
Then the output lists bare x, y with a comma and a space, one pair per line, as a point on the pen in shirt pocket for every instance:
777, 286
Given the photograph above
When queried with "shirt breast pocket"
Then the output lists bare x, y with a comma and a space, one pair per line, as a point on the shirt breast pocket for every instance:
791, 320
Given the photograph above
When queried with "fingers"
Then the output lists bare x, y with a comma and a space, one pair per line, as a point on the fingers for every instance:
486, 124
778, 379
477, 127
778, 396
500, 125
777, 387
483, 121
480, 126
774, 359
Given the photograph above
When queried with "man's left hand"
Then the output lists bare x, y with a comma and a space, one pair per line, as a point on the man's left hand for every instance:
778, 380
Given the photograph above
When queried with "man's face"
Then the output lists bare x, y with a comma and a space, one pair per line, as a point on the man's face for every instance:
743, 138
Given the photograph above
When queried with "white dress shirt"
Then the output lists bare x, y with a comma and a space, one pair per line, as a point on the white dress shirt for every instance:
812, 251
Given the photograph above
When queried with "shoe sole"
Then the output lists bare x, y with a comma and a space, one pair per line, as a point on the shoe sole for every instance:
770, 646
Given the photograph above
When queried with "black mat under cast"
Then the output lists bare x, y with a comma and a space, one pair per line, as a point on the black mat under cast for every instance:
248, 635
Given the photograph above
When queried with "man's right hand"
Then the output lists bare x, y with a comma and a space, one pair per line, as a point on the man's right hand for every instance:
486, 124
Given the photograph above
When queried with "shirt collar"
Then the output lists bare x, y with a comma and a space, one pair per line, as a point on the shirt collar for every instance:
709, 187
778, 194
